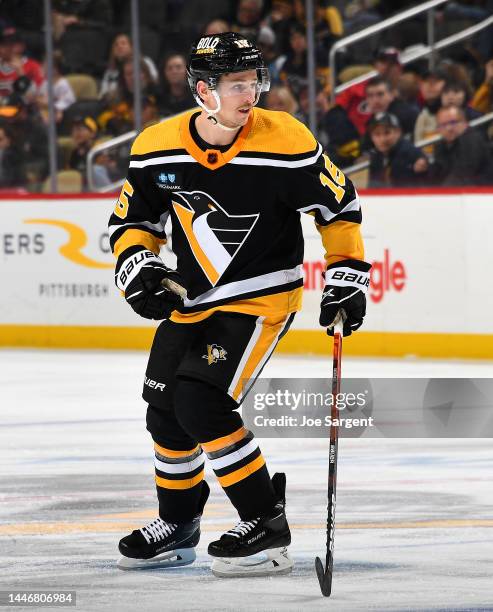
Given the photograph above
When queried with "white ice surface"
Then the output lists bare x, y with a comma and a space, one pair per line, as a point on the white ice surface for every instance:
414, 517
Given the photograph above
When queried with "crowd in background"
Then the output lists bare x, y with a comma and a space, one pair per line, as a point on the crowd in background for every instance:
383, 119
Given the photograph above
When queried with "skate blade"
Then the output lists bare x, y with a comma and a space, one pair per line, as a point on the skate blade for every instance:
172, 558
275, 561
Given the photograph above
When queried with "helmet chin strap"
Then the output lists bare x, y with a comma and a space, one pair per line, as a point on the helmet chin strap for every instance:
211, 114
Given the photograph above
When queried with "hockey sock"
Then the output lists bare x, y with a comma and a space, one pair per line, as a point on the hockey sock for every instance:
209, 415
241, 471
179, 476
179, 466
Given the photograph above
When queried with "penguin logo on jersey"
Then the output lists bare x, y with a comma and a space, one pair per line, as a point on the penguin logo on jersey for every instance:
214, 236
215, 353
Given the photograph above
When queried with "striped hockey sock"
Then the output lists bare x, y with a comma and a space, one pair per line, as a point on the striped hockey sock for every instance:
241, 471
179, 476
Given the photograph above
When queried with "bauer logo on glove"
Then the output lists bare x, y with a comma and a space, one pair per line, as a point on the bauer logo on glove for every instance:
346, 285
147, 283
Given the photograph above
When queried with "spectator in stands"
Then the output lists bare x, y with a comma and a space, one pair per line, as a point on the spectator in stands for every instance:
408, 89
82, 29
216, 26
104, 170
30, 137
328, 26
463, 156
14, 64
456, 93
334, 130
322, 107
12, 173
344, 145
483, 96
174, 93
280, 98
150, 111
121, 52
432, 84
84, 132
62, 91
353, 99
153, 14
293, 72
72, 14
387, 64
248, 18
381, 98
266, 42
394, 160
281, 19
28, 17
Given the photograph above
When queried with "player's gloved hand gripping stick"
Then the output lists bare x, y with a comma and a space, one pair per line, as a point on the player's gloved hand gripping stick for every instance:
151, 289
325, 574
346, 284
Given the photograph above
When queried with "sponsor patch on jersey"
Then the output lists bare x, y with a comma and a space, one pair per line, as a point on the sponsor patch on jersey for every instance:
166, 180
215, 353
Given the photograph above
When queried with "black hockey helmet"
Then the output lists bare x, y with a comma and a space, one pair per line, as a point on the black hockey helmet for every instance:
213, 56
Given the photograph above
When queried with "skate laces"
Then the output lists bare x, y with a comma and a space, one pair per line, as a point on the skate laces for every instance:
242, 528
157, 530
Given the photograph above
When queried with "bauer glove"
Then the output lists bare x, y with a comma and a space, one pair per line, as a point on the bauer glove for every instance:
346, 284
140, 274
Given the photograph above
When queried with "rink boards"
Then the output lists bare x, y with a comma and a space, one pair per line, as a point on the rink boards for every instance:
430, 291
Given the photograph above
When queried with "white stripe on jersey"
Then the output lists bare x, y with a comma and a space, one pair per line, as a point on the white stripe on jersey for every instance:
242, 161
279, 163
170, 159
326, 213
158, 227
256, 283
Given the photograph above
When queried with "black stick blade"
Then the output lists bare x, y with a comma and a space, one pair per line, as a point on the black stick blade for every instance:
324, 577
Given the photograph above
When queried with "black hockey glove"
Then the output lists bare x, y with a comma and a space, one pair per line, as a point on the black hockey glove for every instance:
346, 284
140, 276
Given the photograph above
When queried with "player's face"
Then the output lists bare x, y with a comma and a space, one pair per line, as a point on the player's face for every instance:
237, 92
384, 137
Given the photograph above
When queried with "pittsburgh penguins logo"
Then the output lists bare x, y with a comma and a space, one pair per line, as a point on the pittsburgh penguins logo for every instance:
213, 235
215, 353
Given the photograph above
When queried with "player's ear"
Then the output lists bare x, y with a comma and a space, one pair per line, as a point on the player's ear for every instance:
202, 88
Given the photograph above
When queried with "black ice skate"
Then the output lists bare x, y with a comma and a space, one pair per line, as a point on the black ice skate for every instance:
161, 544
234, 553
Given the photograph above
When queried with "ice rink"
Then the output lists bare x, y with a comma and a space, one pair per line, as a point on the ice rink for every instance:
414, 517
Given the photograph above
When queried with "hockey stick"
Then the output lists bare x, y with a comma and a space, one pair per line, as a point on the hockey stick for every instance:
325, 574
170, 285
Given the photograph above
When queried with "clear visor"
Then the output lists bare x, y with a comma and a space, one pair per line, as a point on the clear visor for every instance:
244, 88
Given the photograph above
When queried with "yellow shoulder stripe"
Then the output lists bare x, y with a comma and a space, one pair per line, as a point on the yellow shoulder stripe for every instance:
278, 132
162, 136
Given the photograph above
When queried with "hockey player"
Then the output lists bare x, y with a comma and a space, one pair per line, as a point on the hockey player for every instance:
233, 179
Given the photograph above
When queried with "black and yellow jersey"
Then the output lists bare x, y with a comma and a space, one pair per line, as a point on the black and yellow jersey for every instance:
235, 214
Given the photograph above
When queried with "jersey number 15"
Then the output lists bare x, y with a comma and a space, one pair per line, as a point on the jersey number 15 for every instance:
337, 180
